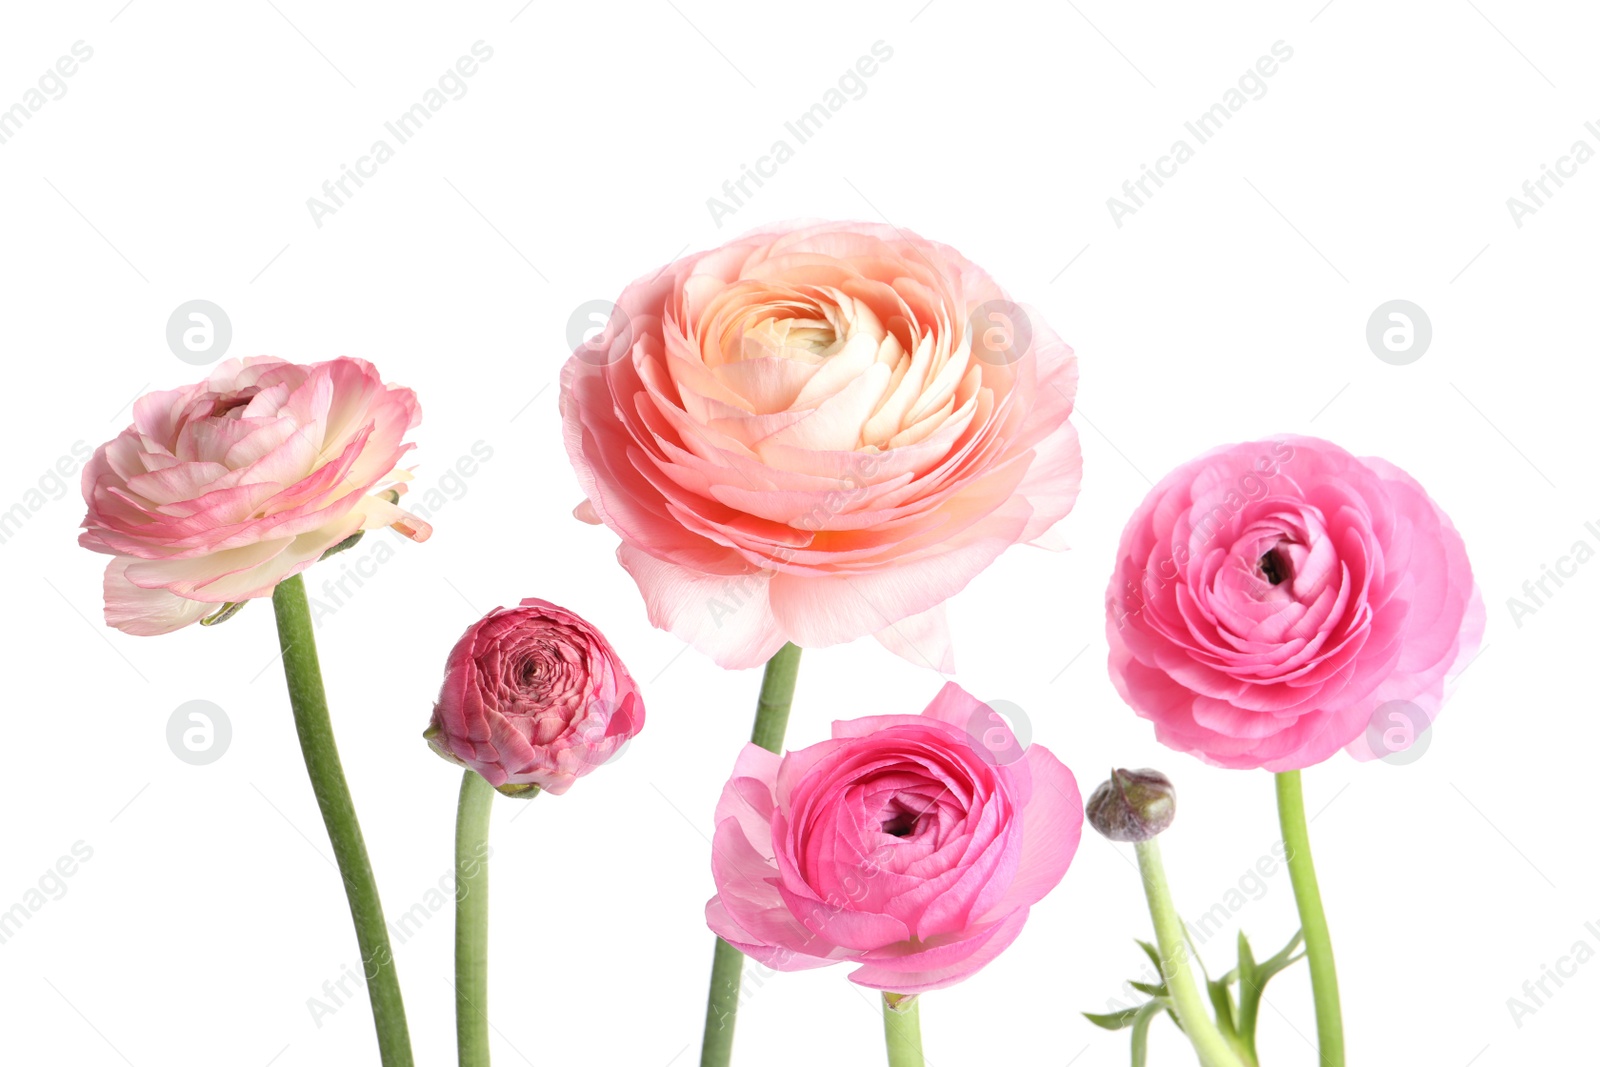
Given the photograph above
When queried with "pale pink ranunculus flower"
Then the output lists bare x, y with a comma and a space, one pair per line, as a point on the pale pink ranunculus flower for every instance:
902, 845
534, 696
222, 489
1278, 600
819, 432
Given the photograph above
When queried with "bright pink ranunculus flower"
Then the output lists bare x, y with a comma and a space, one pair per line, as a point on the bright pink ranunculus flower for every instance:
534, 696
1271, 598
222, 489
902, 845
812, 434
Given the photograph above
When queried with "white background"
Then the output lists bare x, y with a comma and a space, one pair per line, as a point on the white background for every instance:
1233, 305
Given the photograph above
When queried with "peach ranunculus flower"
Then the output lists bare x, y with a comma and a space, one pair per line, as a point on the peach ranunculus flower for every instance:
812, 434
222, 489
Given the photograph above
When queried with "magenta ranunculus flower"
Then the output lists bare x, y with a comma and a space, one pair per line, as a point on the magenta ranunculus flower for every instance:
812, 434
534, 698
1270, 599
903, 845
222, 489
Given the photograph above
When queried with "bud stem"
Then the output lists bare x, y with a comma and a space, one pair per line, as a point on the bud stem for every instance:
902, 1029
1313, 922
727, 962
1208, 1042
309, 701
472, 920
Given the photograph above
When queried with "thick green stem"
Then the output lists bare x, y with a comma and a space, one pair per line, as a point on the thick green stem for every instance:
727, 962
1209, 1044
1313, 923
310, 703
902, 1029
472, 920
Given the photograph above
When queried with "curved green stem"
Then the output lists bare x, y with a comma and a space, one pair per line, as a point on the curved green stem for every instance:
902, 1029
727, 962
310, 703
1209, 1044
1313, 923
472, 920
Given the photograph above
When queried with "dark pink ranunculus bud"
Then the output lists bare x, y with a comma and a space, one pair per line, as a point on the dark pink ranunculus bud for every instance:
534, 698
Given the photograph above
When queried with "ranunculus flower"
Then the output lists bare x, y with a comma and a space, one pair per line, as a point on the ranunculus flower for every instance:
534, 698
902, 845
818, 433
222, 489
1270, 598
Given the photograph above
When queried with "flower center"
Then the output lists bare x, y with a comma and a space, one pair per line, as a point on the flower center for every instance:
899, 820
1275, 566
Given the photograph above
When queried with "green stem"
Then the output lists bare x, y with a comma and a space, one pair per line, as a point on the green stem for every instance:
1208, 1042
727, 962
777, 693
1313, 923
472, 920
310, 703
902, 1029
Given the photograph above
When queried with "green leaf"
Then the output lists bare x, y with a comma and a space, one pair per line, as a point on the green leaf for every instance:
1247, 959
1117, 1020
1253, 978
1283, 958
1151, 951
1222, 1004
1150, 990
